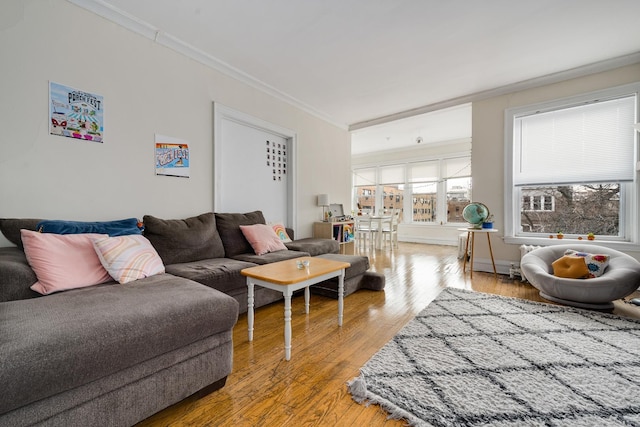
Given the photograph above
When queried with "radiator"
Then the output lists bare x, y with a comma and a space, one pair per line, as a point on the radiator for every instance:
462, 244
515, 270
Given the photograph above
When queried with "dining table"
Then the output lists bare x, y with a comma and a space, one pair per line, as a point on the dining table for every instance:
377, 225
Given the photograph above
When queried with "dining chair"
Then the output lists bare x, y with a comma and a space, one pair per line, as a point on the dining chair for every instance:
364, 231
390, 229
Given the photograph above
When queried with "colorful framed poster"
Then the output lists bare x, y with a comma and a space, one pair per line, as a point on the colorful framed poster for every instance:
75, 114
172, 156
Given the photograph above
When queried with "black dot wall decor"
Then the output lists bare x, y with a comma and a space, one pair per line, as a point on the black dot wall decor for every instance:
276, 159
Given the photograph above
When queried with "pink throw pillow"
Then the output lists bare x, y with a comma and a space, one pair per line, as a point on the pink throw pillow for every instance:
262, 238
63, 262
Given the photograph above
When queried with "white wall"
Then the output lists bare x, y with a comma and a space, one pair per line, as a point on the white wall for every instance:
488, 146
147, 89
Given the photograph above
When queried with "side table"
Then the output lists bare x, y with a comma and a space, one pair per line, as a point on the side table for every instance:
471, 233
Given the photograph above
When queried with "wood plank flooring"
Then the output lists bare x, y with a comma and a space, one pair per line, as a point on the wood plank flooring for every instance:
310, 389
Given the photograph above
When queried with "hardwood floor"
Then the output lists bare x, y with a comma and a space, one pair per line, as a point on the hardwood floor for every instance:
310, 389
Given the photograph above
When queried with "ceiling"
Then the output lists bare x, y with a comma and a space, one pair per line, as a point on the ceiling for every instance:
444, 125
362, 62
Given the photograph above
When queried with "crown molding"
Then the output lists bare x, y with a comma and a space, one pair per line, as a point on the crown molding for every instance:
146, 30
585, 70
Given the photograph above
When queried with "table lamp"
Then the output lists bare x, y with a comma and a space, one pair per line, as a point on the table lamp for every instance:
323, 200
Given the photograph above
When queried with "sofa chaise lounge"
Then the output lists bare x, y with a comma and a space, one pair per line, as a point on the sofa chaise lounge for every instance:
114, 354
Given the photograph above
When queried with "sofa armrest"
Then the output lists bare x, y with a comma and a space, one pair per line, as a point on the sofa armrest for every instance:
16, 276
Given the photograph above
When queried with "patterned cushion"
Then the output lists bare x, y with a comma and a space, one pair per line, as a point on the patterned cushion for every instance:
128, 258
281, 231
596, 263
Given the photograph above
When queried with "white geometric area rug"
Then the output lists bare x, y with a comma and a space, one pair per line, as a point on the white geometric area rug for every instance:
475, 359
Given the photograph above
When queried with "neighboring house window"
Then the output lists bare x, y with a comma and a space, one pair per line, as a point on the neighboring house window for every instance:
433, 191
571, 167
543, 201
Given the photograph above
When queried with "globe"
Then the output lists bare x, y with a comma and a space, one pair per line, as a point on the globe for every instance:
475, 213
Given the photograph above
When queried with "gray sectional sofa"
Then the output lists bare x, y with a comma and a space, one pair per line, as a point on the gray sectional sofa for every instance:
114, 354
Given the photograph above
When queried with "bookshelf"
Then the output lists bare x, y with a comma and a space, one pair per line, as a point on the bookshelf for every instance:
341, 231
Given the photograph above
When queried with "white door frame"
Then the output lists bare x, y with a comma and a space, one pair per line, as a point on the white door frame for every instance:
222, 113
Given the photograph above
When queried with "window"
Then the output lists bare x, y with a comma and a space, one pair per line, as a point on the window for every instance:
364, 181
434, 191
423, 178
457, 175
391, 178
571, 167
425, 199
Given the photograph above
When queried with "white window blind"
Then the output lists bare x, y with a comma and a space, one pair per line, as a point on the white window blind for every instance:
392, 174
424, 171
586, 143
364, 176
456, 167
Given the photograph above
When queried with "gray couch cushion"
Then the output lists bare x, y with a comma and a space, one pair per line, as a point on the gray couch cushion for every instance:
11, 227
16, 276
229, 228
55, 343
270, 257
222, 274
314, 246
359, 264
184, 240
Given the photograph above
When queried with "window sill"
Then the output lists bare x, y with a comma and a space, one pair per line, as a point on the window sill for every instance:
545, 241
437, 224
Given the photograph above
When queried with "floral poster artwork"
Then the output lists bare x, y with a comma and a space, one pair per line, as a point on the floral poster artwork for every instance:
172, 156
75, 114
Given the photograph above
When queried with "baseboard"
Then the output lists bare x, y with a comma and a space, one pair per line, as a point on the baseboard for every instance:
429, 241
484, 264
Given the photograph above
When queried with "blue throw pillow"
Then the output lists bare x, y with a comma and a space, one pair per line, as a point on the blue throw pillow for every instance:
120, 227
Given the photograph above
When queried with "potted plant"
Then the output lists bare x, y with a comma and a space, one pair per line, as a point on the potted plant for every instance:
488, 222
559, 235
591, 236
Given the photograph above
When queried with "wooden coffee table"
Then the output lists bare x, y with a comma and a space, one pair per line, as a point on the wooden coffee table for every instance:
286, 277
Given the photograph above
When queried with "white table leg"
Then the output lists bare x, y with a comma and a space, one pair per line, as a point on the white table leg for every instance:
287, 325
250, 307
340, 297
306, 300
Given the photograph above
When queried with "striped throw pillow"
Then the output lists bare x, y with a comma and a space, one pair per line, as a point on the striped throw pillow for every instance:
128, 258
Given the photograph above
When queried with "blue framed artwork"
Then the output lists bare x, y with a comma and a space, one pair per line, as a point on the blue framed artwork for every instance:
172, 156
